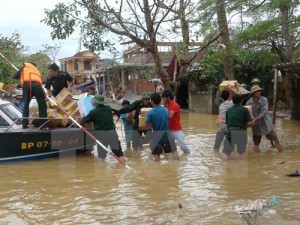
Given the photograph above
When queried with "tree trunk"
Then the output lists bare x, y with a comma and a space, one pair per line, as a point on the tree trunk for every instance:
291, 87
225, 39
284, 10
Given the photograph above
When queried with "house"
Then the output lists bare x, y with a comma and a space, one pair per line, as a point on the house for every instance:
80, 66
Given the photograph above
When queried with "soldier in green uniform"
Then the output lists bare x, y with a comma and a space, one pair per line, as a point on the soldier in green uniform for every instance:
136, 107
105, 129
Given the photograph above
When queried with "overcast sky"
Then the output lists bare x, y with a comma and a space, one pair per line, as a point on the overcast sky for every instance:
24, 16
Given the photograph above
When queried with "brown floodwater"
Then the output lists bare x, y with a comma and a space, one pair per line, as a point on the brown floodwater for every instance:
198, 189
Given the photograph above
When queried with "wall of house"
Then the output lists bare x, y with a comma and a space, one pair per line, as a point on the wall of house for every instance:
139, 86
203, 100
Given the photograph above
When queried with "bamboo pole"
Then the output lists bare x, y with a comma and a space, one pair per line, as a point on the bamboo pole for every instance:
275, 96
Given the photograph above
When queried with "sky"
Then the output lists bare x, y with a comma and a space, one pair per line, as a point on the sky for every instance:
24, 16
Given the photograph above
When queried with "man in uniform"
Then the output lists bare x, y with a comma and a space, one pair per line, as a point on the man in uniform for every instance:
137, 106
105, 129
58, 80
31, 83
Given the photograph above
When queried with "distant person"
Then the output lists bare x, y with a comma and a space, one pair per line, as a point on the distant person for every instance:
174, 120
221, 122
237, 119
136, 106
57, 80
262, 124
160, 138
106, 133
31, 83
127, 122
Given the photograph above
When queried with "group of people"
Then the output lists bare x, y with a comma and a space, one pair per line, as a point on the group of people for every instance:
31, 84
234, 119
161, 129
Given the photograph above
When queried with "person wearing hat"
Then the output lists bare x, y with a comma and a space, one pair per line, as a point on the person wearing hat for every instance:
136, 106
262, 124
255, 82
57, 80
31, 83
104, 126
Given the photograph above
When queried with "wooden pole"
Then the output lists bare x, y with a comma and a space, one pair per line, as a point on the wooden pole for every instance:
275, 96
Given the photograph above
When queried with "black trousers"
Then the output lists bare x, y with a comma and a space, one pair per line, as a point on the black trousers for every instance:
36, 90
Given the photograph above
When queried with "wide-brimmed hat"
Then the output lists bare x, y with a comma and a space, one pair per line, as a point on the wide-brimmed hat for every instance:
255, 80
146, 95
243, 91
255, 89
98, 99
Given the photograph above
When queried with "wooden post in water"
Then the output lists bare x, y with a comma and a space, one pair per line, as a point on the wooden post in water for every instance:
275, 96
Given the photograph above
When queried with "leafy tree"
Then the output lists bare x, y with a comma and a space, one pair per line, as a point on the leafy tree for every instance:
12, 48
42, 62
142, 23
51, 51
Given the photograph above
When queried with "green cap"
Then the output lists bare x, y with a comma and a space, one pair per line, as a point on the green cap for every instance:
98, 99
255, 89
255, 80
146, 95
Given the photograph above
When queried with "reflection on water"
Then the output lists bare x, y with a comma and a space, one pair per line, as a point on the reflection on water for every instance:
82, 190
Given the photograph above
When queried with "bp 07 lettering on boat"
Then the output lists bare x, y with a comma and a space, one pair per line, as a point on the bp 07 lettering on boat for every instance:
45, 144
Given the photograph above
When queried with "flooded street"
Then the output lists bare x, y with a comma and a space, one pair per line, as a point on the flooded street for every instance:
199, 189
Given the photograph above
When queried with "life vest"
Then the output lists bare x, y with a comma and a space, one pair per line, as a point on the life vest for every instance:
30, 74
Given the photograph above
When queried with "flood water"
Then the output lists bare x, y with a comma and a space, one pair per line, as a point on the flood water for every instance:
198, 189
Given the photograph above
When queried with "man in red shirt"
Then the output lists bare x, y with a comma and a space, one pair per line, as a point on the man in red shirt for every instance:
174, 120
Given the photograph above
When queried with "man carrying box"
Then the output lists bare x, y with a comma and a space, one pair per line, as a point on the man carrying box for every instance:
57, 80
137, 106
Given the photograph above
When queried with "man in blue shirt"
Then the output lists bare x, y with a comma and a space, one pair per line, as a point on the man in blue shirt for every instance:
160, 137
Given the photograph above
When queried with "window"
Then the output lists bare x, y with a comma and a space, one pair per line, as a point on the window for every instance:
76, 65
3, 122
12, 112
87, 65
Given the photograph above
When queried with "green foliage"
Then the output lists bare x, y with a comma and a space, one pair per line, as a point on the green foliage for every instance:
42, 62
247, 65
12, 48
61, 20
260, 31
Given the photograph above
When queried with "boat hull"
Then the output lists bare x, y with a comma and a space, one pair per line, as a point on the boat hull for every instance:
30, 144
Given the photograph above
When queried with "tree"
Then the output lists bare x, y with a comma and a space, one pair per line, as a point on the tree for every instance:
42, 62
225, 39
12, 48
142, 23
52, 51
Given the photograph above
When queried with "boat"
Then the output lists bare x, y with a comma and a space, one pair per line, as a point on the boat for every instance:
18, 144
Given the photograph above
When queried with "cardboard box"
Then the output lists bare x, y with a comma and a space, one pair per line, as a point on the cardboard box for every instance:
144, 112
54, 118
63, 97
142, 120
232, 83
71, 106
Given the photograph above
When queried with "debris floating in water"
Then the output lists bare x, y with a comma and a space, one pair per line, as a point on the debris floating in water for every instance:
294, 174
251, 210
179, 206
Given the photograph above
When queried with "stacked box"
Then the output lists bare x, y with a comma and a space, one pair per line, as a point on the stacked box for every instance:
71, 107
54, 117
232, 83
63, 97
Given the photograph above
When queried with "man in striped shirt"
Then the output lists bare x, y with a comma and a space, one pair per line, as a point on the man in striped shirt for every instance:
222, 126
